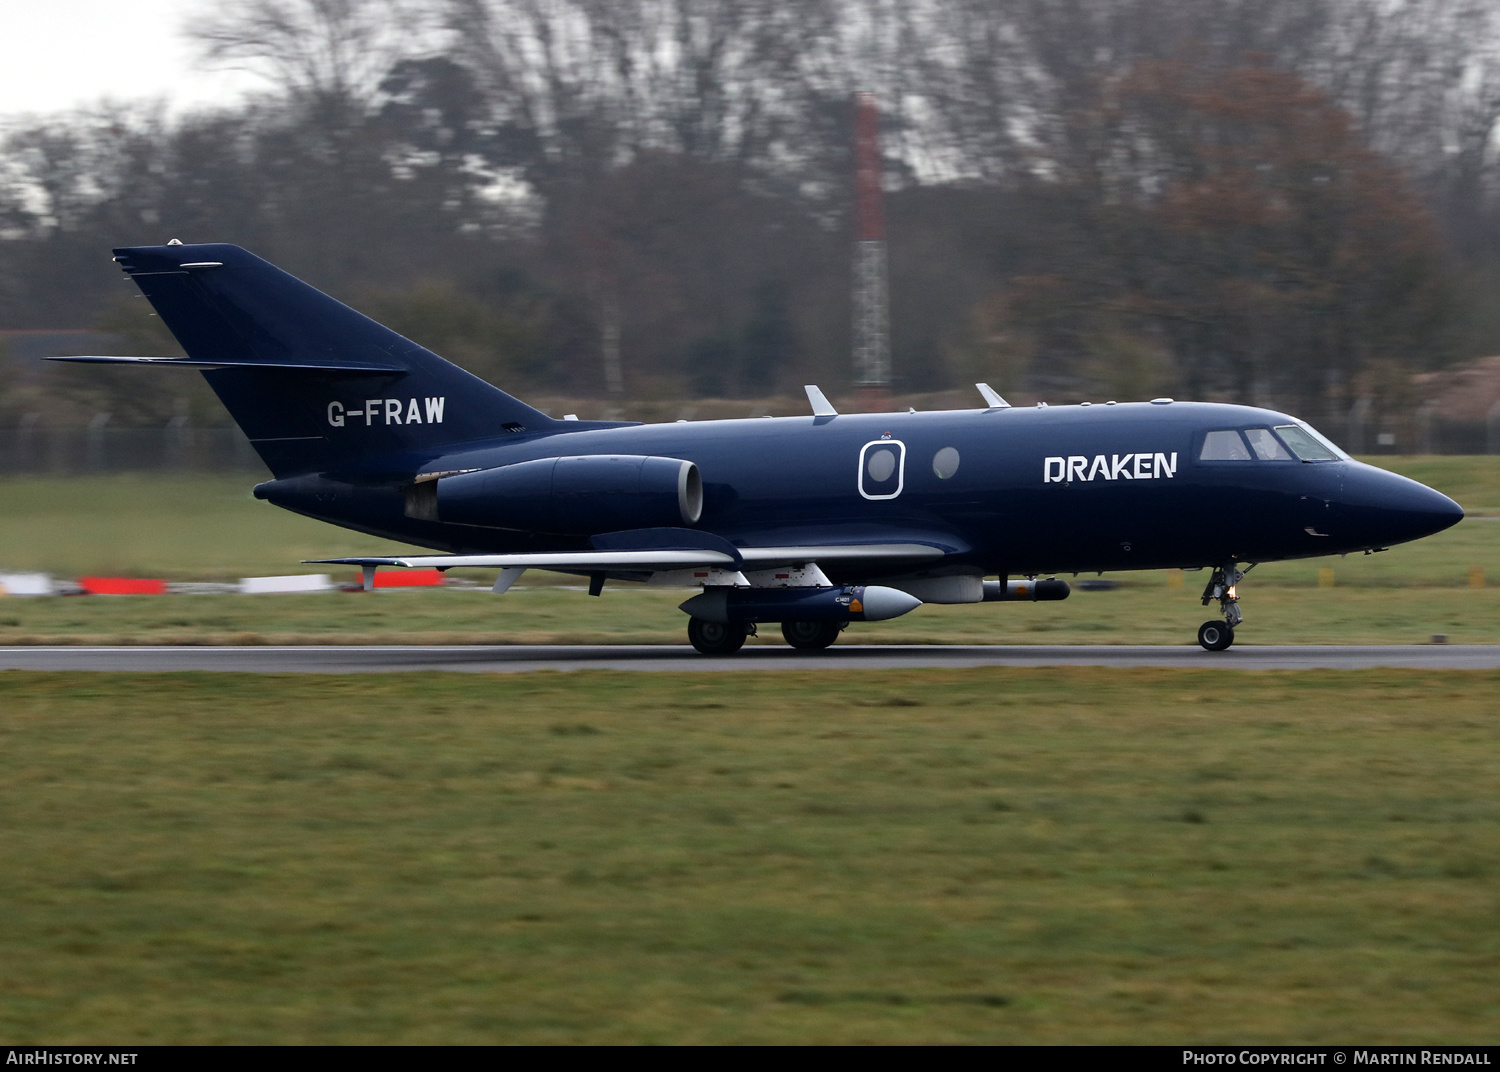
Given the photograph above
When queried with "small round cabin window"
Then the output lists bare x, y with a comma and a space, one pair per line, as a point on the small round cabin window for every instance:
880, 464
945, 463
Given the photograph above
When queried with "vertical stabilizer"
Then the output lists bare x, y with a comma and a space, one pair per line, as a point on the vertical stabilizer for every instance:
313, 384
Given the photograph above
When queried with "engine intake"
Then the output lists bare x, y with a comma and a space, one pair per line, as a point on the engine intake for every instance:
577, 496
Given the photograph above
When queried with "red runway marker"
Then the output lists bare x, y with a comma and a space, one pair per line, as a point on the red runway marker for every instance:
122, 586
415, 578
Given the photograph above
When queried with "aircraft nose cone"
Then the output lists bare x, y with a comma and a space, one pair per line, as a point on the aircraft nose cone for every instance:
1443, 513
1385, 509
1424, 511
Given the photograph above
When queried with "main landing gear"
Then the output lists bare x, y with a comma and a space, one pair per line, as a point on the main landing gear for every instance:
726, 638
811, 636
811, 616
1223, 585
717, 638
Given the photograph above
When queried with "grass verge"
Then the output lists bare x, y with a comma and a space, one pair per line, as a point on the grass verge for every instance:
1077, 855
636, 615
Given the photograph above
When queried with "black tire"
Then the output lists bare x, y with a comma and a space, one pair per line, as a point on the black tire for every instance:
810, 636
1215, 636
716, 638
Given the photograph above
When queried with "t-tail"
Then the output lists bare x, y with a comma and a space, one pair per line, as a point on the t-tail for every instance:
315, 385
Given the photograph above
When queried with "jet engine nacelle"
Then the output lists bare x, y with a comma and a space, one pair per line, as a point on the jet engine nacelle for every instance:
579, 495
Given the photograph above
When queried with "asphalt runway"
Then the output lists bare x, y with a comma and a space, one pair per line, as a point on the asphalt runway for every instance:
520, 659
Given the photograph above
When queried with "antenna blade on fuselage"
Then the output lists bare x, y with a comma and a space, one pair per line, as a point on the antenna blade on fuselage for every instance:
992, 397
821, 407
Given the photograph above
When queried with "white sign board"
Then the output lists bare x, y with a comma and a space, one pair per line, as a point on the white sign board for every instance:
297, 582
26, 584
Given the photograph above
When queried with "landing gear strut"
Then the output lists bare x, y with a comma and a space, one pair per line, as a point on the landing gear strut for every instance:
1223, 585
717, 638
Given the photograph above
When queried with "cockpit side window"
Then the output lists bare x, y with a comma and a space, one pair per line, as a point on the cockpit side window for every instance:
1224, 446
1307, 445
1266, 446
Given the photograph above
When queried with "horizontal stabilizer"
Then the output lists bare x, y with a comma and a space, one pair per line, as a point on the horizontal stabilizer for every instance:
268, 366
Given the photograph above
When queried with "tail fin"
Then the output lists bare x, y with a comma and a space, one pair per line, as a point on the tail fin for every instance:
314, 384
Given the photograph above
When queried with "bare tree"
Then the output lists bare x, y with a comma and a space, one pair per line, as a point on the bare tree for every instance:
319, 51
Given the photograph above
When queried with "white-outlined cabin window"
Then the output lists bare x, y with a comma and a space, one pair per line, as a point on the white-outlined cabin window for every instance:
882, 469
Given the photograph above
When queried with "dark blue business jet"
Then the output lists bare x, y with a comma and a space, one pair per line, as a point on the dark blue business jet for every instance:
813, 522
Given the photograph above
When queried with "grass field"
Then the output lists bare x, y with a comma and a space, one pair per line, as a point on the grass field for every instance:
967, 856
211, 529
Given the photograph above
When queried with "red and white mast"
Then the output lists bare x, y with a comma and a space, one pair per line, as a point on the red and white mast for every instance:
872, 349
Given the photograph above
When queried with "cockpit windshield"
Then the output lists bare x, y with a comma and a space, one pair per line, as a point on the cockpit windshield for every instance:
1284, 443
1266, 446
1308, 445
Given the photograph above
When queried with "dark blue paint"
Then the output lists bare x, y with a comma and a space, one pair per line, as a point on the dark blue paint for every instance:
789, 480
782, 481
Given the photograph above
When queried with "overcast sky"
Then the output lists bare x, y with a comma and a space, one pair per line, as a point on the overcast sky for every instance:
57, 54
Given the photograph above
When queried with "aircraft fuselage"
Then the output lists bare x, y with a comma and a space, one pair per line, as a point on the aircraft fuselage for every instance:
812, 522
1018, 491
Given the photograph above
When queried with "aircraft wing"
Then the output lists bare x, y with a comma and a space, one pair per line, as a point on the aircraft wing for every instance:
603, 561
783, 556
567, 561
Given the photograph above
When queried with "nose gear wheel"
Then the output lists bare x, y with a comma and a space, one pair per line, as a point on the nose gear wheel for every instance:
1223, 586
1215, 635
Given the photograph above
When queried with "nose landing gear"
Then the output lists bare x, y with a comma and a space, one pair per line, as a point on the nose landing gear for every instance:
1223, 585
1215, 636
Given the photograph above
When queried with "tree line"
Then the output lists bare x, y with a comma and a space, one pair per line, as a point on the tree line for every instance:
1287, 201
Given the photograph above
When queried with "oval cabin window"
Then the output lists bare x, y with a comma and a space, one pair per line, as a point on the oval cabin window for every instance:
945, 463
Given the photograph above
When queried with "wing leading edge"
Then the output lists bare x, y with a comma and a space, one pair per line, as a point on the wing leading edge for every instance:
572, 561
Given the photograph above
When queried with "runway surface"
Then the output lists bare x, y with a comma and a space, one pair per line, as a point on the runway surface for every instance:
519, 659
